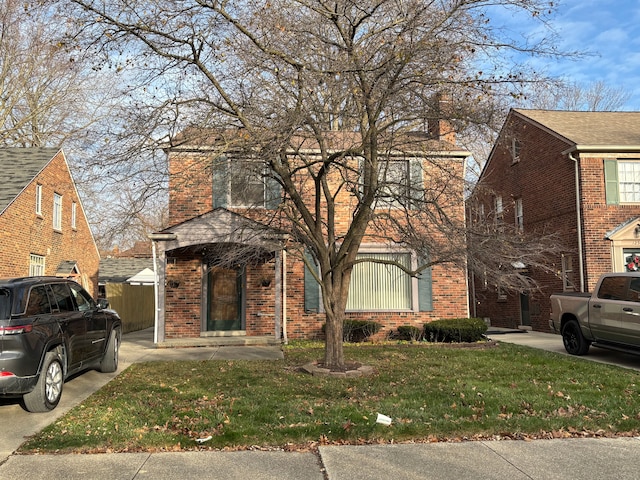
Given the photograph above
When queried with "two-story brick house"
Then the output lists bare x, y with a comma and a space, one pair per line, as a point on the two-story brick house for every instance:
573, 173
263, 289
43, 227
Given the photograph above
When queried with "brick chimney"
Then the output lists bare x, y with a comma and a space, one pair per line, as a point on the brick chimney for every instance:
440, 126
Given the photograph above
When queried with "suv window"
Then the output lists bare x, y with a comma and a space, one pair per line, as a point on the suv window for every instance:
62, 296
83, 301
38, 303
5, 304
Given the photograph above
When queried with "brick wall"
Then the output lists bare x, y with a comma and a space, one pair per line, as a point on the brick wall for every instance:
23, 232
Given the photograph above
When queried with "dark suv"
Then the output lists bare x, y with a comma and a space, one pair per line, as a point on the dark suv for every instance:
51, 328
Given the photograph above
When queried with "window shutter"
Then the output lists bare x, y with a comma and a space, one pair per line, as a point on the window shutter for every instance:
425, 297
220, 181
311, 287
273, 194
416, 184
611, 182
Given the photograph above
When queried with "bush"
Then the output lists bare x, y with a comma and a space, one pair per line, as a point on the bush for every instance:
455, 330
409, 332
357, 330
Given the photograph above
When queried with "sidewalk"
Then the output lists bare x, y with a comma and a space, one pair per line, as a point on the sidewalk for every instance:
509, 459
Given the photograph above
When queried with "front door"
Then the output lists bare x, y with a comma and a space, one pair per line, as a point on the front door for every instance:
224, 299
525, 313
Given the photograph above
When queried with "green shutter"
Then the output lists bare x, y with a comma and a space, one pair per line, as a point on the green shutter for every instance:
220, 168
611, 182
425, 295
311, 287
273, 192
416, 183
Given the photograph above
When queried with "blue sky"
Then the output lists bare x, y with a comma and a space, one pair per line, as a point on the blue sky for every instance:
607, 31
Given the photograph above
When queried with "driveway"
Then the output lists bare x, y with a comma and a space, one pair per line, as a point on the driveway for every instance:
553, 343
18, 424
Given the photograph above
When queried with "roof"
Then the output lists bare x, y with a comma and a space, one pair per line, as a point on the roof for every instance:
18, 167
590, 128
118, 270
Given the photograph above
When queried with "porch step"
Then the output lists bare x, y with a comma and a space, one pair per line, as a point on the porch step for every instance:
218, 341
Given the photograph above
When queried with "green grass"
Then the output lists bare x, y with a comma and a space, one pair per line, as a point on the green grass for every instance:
432, 393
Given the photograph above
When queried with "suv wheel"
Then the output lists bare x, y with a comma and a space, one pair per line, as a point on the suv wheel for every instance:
46, 395
109, 362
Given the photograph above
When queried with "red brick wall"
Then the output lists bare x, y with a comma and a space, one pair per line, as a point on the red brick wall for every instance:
23, 233
545, 181
191, 195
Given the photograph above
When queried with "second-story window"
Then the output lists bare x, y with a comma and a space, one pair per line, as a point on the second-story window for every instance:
499, 210
243, 183
515, 150
57, 211
38, 199
74, 213
519, 215
622, 181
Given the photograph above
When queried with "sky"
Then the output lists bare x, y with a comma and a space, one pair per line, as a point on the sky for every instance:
608, 31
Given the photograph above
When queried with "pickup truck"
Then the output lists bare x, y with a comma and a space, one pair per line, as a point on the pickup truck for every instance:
609, 317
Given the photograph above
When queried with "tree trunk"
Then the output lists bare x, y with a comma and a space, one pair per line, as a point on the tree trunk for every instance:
333, 351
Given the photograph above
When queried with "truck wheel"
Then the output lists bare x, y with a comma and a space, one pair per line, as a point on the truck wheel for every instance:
574, 341
109, 362
46, 395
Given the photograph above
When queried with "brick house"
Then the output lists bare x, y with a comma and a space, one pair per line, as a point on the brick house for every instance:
573, 173
43, 228
270, 293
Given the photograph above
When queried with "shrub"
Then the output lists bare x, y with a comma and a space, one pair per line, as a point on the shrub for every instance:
455, 330
357, 330
409, 332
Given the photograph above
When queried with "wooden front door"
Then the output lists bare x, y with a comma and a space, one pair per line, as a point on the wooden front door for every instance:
224, 299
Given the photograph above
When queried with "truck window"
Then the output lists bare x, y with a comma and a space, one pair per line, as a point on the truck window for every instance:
634, 290
83, 300
613, 288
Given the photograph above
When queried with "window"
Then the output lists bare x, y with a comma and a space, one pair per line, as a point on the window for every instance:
394, 180
622, 181
499, 210
567, 274
83, 301
74, 212
62, 297
36, 265
515, 150
38, 199
519, 215
57, 211
613, 288
243, 183
38, 302
378, 286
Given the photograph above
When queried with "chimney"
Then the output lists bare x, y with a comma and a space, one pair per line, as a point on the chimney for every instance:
440, 126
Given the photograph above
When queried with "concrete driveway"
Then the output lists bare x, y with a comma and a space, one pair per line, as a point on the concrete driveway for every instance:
18, 424
553, 343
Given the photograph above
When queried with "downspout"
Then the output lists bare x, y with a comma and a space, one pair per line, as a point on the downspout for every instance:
284, 297
155, 294
579, 220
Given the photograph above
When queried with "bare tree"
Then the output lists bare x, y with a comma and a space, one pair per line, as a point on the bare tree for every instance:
594, 97
289, 73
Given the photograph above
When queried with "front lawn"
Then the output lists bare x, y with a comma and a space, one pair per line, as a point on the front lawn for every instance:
432, 393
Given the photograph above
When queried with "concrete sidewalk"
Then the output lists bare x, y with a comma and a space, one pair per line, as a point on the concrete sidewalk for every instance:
508, 459
513, 460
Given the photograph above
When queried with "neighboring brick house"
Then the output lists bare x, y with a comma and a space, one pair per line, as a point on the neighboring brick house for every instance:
272, 294
43, 228
573, 173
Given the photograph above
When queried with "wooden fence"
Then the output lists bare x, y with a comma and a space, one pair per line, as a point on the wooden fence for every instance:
134, 303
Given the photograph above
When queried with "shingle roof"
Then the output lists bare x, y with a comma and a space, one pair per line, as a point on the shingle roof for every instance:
18, 166
117, 270
590, 128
